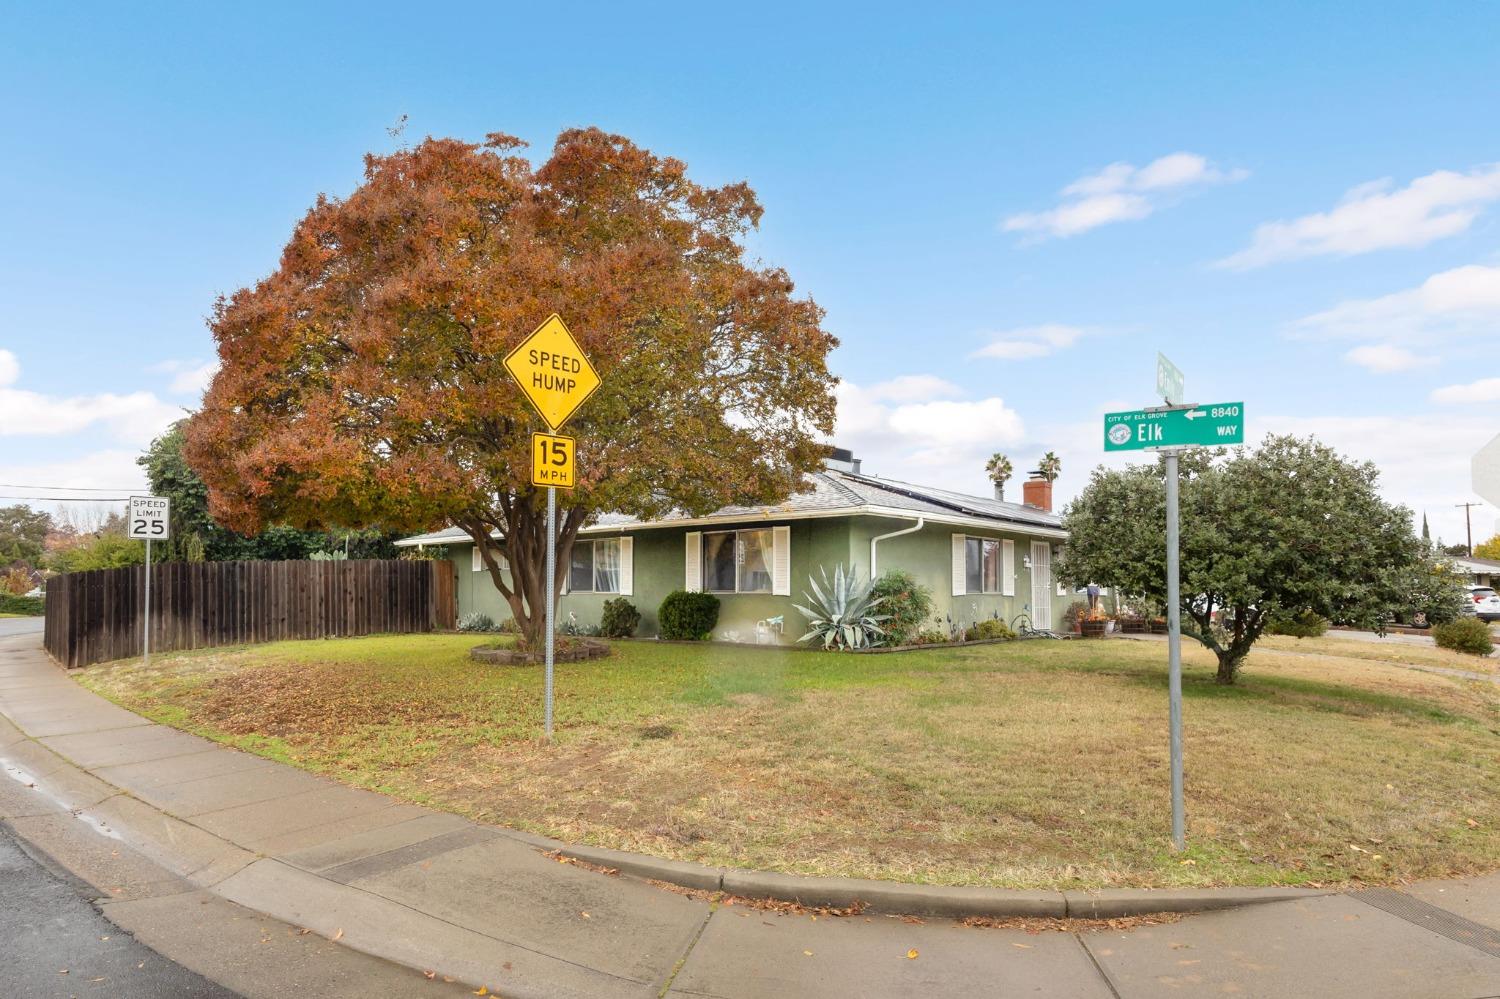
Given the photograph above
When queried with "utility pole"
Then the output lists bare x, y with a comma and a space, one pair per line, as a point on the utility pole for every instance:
1468, 528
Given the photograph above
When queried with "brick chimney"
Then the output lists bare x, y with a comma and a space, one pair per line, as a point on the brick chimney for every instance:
1037, 491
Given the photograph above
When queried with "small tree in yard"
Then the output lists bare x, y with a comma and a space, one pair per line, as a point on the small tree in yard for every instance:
1289, 528
362, 383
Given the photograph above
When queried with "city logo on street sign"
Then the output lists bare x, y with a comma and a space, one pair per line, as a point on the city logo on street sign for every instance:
554, 461
1170, 381
552, 371
1195, 426
149, 518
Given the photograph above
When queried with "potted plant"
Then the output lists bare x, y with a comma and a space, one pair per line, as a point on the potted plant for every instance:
1073, 616
1093, 625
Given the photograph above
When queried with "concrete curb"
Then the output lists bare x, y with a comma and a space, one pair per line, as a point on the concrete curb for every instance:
940, 901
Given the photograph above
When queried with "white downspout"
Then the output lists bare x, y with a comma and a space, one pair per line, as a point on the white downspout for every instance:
874, 565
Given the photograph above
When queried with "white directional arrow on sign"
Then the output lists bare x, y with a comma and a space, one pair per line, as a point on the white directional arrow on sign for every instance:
1194, 414
1486, 471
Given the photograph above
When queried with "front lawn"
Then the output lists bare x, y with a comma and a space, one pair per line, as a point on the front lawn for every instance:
1024, 764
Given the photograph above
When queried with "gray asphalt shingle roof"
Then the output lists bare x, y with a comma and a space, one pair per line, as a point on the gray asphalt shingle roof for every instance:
831, 491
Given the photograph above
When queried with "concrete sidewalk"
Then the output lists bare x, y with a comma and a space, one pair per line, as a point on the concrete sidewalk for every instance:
91, 783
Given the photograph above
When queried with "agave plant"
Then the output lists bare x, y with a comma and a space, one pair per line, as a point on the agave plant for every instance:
841, 611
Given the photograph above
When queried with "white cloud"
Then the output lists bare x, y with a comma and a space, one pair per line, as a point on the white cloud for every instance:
188, 377
1376, 216
1030, 342
1462, 300
908, 388
134, 418
109, 469
1384, 358
1484, 390
1120, 192
932, 437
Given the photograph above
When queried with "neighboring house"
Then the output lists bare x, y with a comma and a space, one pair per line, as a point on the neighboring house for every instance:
981, 557
1478, 571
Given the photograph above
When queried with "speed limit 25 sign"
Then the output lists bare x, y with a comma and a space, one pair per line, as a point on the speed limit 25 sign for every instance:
553, 460
148, 518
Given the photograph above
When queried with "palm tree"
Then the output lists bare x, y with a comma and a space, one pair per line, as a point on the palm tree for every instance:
1050, 467
999, 469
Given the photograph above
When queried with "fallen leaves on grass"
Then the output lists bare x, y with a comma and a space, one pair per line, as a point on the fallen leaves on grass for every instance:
911, 955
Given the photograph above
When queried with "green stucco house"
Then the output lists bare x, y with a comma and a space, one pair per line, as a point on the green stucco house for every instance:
981, 557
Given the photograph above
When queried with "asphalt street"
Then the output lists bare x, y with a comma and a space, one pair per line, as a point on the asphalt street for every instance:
54, 943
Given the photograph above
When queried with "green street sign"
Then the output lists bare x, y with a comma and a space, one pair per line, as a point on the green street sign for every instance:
1198, 426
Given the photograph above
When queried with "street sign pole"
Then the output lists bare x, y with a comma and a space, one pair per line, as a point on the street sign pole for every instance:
1174, 656
551, 601
146, 629
555, 375
147, 518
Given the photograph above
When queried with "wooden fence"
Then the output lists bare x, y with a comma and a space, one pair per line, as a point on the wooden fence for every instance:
95, 616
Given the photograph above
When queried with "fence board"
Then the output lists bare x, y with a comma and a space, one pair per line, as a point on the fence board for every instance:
95, 616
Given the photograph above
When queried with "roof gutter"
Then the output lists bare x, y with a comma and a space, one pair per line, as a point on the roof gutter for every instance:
874, 570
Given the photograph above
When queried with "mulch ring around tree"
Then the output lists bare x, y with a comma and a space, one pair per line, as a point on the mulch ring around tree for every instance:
567, 650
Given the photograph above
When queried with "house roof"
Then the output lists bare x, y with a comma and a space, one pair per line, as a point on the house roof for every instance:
834, 493
1477, 564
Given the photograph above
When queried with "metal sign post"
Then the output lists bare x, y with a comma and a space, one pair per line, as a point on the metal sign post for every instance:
557, 378
551, 601
1170, 430
1174, 656
148, 518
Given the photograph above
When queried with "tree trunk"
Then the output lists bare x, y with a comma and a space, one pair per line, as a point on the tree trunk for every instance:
1229, 667
524, 547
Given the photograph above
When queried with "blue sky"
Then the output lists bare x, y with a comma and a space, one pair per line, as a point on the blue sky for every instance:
1005, 213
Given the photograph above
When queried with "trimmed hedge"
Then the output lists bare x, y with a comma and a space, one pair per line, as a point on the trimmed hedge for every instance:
685, 615
619, 619
1467, 634
30, 606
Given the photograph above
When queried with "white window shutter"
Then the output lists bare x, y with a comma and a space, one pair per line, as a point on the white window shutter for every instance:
960, 566
1008, 568
692, 578
781, 561
567, 580
627, 566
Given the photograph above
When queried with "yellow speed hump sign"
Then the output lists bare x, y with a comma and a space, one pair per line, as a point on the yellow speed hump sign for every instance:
552, 371
554, 461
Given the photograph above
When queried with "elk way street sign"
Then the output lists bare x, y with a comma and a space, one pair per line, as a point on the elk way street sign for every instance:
1190, 426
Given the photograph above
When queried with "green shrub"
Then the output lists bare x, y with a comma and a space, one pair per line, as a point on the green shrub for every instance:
1467, 634
930, 636
690, 616
620, 618
987, 629
12, 604
905, 603
476, 621
1307, 624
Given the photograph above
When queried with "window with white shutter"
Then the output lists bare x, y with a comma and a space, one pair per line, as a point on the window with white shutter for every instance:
627, 566
960, 565
781, 561
1008, 568
692, 578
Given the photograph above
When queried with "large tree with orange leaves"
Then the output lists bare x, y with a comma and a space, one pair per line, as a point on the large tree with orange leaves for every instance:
361, 383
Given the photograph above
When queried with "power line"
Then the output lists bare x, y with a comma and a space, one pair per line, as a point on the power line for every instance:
70, 499
66, 489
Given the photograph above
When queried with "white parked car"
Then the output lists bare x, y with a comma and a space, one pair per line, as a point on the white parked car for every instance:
1483, 603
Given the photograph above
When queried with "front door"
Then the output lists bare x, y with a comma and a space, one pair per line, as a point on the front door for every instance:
1041, 585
